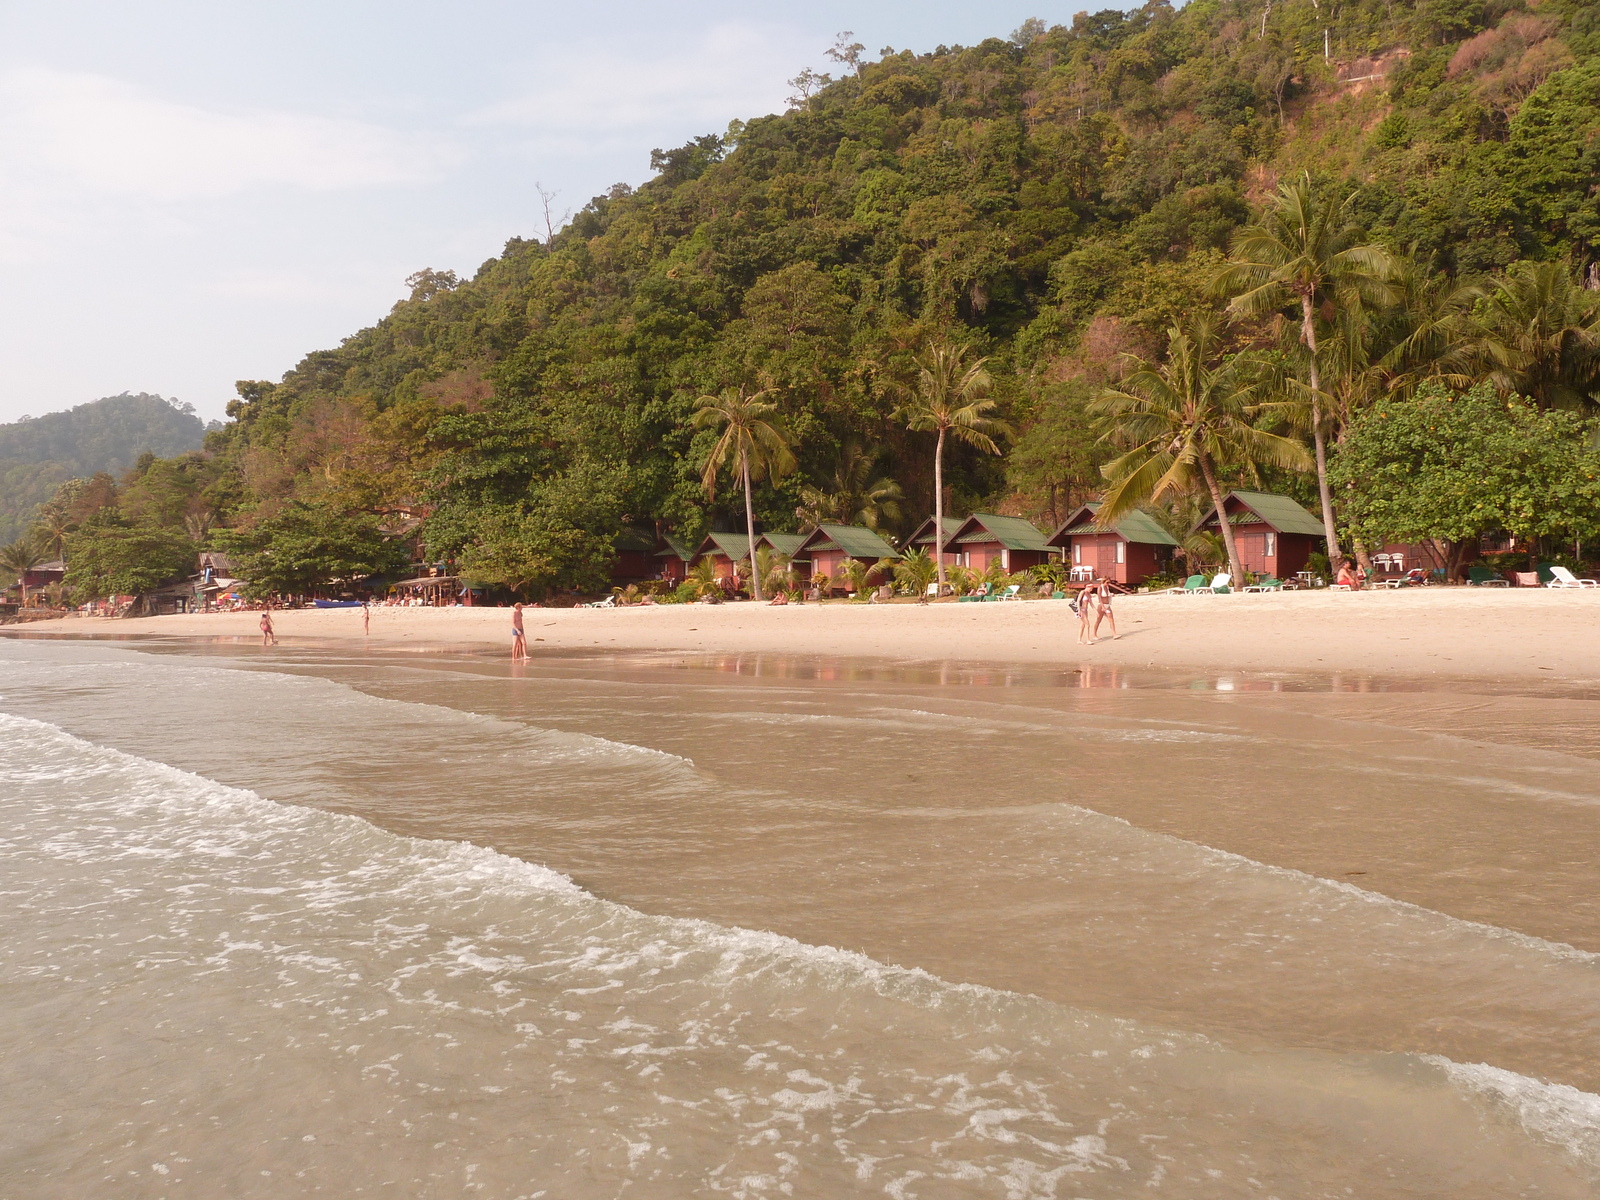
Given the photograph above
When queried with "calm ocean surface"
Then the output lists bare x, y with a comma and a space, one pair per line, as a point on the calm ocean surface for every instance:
313, 923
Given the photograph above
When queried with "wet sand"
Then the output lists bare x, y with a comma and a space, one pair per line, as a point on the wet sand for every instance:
1507, 634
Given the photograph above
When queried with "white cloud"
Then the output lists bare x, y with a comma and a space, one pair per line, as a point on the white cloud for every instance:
597, 91
101, 135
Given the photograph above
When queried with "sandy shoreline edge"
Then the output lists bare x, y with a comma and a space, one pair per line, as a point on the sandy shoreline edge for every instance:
1501, 634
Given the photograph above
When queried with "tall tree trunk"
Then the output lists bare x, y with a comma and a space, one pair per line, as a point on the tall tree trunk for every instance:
1308, 331
938, 508
1235, 568
750, 526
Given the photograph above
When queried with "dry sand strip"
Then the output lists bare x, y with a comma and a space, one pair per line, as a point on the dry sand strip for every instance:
1465, 632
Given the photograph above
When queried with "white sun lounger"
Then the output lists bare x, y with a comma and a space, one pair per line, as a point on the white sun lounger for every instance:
1566, 579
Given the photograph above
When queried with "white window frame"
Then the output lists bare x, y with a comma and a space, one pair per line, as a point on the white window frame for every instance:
1122, 552
1271, 543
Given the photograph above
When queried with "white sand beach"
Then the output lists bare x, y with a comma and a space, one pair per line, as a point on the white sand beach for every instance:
1470, 632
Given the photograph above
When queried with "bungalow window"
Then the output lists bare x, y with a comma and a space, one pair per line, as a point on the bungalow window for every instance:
1272, 543
1077, 552
1122, 553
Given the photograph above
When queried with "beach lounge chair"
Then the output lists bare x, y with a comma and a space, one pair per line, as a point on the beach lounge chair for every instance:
1526, 578
1013, 592
1193, 584
1483, 577
1560, 577
980, 594
608, 602
1265, 584
1217, 587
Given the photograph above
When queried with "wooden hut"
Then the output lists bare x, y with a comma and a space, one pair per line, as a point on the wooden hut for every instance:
922, 539
829, 547
726, 551
788, 545
1127, 551
672, 558
1274, 535
986, 538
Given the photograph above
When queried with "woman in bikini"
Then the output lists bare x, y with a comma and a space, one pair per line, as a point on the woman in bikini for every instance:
1102, 595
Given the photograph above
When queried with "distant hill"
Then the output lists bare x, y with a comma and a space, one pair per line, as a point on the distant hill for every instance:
38, 454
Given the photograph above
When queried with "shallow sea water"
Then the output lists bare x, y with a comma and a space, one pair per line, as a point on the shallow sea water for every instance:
353, 924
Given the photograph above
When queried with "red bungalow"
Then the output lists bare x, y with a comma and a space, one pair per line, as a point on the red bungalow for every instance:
922, 539
1275, 536
787, 544
829, 547
1127, 552
985, 538
726, 551
672, 558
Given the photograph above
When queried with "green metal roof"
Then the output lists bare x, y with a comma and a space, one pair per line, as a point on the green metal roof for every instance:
735, 546
1137, 526
1280, 512
855, 540
1011, 532
682, 549
924, 534
783, 543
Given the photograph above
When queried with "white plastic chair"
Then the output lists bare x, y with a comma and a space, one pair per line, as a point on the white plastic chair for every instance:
1217, 587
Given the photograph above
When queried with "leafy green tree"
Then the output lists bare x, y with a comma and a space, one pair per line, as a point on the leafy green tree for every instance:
951, 401
108, 557
1539, 335
1305, 251
531, 556
304, 547
1184, 421
751, 439
852, 496
1453, 466
20, 557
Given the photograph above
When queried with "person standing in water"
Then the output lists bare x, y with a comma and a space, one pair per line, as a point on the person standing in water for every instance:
268, 638
519, 641
366, 618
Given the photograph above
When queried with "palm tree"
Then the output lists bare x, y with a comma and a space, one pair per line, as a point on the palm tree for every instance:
914, 572
1180, 423
856, 497
752, 439
22, 556
951, 400
1303, 252
1539, 336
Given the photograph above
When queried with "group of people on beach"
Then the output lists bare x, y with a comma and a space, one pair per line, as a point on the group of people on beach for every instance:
1093, 606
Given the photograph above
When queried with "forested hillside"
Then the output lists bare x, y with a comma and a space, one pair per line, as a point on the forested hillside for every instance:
1052, 200
38, 454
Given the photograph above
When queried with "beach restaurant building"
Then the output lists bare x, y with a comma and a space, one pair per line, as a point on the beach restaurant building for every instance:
1127, 552
829, 547
1274, 535
985, 538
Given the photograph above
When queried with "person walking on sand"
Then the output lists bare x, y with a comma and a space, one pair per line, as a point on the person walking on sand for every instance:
1103, 611
1084, 605
268, 638
366, 618
519, 641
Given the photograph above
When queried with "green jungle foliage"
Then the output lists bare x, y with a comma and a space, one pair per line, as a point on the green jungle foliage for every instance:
1052, 201
38, 454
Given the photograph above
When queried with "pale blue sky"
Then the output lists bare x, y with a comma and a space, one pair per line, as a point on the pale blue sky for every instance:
193, 193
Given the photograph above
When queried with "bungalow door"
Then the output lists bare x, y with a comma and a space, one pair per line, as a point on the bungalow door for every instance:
1252, 551
1105, 561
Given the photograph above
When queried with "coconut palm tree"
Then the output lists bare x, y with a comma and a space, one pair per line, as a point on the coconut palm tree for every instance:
1180, 423
22, 556
855, 498
914, 572
1303, 252
1539, 335
951, 400
752, 439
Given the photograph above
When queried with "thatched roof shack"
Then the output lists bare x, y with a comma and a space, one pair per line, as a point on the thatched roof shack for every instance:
986, 538
1127, 551
1275, 536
